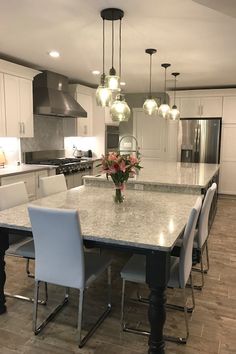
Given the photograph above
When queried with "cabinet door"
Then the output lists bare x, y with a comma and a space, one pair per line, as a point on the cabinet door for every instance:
2, 108
26, 108
228, 160
172, 140
190, 107
38, 175
27, 178
229, 109
12, 105
151, 134
85, 124
211, 107
108, 119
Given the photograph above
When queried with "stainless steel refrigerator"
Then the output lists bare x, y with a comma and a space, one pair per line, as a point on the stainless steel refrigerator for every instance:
199, 140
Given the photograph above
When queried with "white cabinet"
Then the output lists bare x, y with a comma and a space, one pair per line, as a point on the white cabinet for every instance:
27, 178
84, 96
204, 107
18, 106
151, 134
229, 109
2, 108
108, 119
16, 112
31, 180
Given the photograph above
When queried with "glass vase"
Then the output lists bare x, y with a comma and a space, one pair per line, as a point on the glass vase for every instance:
118, 197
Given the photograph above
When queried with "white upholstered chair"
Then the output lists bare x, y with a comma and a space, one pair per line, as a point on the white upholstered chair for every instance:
52, 184
180, 272
12, 195
60, 260
202, 232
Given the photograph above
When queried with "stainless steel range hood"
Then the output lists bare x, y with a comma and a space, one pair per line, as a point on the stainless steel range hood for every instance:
51, 96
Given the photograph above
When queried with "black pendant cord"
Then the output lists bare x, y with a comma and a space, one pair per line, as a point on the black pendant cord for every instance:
103, 49
150, 78
120, 50
175, 91
112, 47
165, 88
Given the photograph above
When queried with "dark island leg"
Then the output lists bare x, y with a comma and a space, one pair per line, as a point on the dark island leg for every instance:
4, 244
157, 276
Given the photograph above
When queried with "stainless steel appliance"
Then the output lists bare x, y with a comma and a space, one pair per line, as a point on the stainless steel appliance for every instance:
73, 168
199, 140
112, 138
52, 98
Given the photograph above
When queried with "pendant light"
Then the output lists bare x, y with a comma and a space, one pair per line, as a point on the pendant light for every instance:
150, 105
103, 93
174, 113
164, 107
120, 111
112, 14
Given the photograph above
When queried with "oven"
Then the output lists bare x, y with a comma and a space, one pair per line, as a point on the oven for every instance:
112, 137
73, 168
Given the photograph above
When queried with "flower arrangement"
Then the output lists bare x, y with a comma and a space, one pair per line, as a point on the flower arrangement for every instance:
120, 167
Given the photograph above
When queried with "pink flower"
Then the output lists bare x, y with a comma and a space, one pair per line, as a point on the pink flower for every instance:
123, 166
133, 160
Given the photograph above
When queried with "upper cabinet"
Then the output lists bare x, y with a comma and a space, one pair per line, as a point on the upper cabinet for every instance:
204, 107
2, 108
229, 109
199, 103
84, 96
16, 112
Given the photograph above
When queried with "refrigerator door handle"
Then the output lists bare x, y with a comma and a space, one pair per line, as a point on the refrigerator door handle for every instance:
195, 139
198, 140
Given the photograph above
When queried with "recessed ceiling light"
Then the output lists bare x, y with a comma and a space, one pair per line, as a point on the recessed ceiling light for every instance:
122, 83
95, 72
54, 54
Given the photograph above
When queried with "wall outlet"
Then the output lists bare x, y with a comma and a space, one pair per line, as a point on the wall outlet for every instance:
139, 186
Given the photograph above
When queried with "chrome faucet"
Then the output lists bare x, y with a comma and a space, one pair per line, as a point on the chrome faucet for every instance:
136, 150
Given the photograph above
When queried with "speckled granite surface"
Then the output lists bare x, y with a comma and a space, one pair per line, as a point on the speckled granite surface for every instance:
167, 176
145, 219
15, 170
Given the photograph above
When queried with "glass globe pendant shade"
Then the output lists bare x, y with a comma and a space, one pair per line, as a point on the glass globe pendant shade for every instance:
113, 82
174, 113
120, 111
103, 95
164, 110
150, 106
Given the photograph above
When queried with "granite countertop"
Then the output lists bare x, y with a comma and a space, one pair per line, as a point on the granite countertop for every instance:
175, 174
145, 219
9, 170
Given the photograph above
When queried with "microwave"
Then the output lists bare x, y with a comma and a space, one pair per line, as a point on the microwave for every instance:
112, 138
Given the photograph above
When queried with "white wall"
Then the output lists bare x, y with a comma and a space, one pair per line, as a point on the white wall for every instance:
11, 148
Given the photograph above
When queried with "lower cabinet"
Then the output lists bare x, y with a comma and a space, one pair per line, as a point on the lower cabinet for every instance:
76, 179
31, 180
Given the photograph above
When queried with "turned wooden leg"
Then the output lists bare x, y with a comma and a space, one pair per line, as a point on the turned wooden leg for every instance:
4, 244
157, 276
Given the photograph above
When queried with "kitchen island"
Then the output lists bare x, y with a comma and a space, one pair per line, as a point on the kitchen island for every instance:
166, 176
121, 226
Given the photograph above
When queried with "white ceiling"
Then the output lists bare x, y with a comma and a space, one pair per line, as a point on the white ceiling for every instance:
196, 37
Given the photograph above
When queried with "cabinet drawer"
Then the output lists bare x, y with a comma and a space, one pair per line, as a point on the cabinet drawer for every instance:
27, 178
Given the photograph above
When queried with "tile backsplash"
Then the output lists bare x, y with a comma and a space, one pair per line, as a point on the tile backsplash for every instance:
48, 135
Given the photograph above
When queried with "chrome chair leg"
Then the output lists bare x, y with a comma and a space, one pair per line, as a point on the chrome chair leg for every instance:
83, 341
29, 274
38, 328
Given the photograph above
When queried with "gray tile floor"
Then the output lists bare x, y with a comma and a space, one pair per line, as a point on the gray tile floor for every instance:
212, 325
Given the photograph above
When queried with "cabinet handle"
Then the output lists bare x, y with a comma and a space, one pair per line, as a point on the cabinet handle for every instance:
23, 127
20, 128
85, 130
